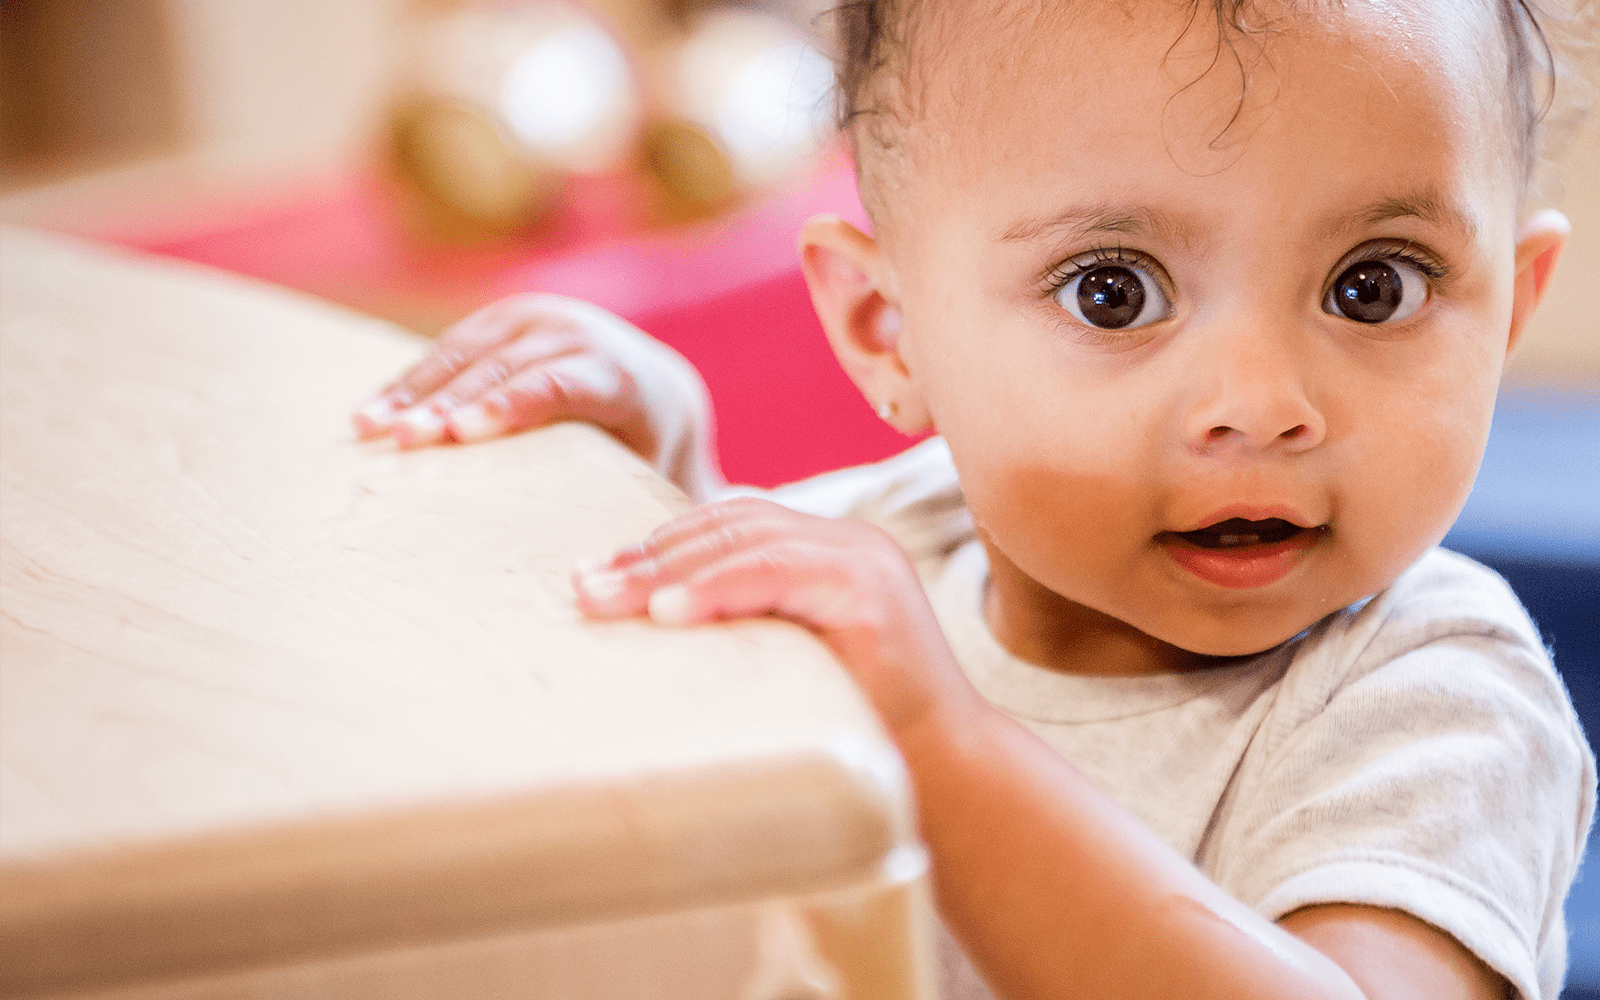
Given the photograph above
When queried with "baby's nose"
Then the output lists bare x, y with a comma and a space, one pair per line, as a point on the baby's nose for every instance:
1253, 399
1298, 437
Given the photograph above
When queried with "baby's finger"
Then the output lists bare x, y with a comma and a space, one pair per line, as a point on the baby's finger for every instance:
490, 399
579, 386
606, 592
620, 584
793, 577
442, 363
687, 546
378, 414
451, 411
714, 589
458, 347
714, 519
680, 562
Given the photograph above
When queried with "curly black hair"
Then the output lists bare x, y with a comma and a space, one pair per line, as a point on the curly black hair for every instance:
870, 35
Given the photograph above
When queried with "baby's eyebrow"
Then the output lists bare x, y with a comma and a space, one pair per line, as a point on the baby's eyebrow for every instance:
1425, 205
1079, 221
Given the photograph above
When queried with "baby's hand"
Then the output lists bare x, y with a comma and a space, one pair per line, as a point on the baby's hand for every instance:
845, 580
535, 359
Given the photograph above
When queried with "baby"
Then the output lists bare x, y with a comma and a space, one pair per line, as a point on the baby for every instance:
1208, 305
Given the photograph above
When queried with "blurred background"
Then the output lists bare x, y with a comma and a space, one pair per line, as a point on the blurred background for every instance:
415, 159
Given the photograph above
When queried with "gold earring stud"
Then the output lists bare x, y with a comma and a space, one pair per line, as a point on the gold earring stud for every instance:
887, 409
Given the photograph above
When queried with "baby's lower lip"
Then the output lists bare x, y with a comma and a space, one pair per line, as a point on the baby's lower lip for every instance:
1243, 566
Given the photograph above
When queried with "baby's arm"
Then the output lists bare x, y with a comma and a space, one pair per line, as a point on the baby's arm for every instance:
1052, 887
534, 359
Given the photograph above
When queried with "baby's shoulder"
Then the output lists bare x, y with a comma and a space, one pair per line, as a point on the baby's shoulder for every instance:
1444, 596
1447, 631
1419, 754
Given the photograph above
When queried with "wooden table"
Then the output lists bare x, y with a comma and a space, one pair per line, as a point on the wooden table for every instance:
287, 715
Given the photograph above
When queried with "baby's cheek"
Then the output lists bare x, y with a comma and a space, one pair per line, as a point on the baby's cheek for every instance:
1408, 491
1072, 529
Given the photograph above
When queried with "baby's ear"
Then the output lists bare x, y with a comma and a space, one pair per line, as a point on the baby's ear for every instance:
845, 271
1539, 244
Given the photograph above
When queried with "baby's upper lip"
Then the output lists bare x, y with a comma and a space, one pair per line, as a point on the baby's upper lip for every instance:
1250, 512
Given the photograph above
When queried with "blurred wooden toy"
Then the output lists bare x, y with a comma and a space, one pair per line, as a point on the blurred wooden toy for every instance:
286, 715
501, 105
742, 104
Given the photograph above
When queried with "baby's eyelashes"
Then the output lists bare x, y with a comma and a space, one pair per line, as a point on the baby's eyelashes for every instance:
1114, 289
1382, 286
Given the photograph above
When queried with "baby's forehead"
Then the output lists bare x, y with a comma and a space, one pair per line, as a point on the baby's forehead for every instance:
976, 74
957, 38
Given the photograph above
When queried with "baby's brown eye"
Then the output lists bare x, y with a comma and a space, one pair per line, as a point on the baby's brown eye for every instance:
1377, 291
1113, 297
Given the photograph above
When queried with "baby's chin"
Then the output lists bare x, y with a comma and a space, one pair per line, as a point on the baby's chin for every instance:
1256, 621
1243, 633
1248, 622
1234, 648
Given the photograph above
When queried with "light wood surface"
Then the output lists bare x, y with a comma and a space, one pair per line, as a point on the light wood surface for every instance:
271, 694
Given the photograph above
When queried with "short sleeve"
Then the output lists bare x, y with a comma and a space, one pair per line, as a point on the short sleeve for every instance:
1442, 772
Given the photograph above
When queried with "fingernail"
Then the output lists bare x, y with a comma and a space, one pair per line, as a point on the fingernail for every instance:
474, 423
590, 567
376, 415
670, 605
418, 425
603, 584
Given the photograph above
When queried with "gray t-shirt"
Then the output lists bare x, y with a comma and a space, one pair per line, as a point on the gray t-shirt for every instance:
1416, 751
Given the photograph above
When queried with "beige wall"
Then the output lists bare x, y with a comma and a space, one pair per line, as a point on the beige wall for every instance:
262, 97
284, 81
1562, 344
270, 103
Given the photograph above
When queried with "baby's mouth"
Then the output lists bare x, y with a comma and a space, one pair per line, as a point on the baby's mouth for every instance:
1240, 553
1237, 531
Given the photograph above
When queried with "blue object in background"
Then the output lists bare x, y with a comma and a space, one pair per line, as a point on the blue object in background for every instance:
1534, 516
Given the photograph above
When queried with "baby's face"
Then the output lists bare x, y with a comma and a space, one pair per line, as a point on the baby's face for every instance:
1134, 327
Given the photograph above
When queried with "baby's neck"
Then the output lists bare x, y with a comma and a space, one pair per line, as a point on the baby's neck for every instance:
1040, 626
